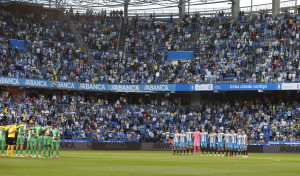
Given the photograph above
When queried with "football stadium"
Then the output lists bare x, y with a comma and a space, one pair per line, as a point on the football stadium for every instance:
149, 87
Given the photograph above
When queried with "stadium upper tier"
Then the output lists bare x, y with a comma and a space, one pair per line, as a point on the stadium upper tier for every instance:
253, 49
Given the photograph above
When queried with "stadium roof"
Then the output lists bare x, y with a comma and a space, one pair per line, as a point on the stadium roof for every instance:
155, 6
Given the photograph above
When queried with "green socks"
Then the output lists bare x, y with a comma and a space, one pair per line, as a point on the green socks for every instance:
17, 150
57, 152
49, 150
40, 150
27, 150
34, 151
21, 151
2, 150
44, 151
31, 151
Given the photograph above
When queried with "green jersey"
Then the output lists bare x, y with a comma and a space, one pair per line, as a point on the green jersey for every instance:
49, 130
38, 130
21, 130
29, 134
3, 133
55, 134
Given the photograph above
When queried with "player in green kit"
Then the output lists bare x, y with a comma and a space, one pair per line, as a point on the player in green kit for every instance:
30, 140
47, 139
55, 141
20, 140
2, 139
37, 132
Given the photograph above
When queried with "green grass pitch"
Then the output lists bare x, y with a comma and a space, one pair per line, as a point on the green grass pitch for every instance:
140, 163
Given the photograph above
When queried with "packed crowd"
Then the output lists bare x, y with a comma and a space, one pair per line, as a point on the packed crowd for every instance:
253, 49
95, 118
98, 32
49, 53
257, 49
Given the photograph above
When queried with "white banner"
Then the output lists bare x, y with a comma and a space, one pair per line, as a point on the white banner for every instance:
203, 87
290, 86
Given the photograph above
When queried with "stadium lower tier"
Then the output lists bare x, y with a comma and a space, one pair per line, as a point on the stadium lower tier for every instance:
154, 117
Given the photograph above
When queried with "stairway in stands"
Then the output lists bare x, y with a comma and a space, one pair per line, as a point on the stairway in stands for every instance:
122, 37
79, 41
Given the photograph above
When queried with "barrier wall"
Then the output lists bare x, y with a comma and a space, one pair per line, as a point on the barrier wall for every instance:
164, 147
281, 149
157, 146
76, 146
116, 146
255, 148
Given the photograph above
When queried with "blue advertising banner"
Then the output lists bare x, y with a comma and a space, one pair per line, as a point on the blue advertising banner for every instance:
147, 88
185, 87
180, 55
96, 87
247, 86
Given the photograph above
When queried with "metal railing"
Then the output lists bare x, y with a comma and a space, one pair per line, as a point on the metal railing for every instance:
78, 37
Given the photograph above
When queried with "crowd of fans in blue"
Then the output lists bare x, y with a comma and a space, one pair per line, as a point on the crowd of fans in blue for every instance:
252, 49
82, 116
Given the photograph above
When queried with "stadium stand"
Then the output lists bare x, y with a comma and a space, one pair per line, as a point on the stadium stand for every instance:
254, 49
84, 116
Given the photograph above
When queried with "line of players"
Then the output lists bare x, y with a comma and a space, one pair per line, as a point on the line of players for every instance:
230, 142
37, 136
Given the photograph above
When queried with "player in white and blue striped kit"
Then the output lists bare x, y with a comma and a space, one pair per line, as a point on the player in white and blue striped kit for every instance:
204, 137
212, 142
182, 142
233, 142
176, 142
189, 141
245, 140
220, 143
227, 142
240, 145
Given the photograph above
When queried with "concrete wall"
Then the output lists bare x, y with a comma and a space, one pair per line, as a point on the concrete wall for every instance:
195, 99
275, 7
235, 8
